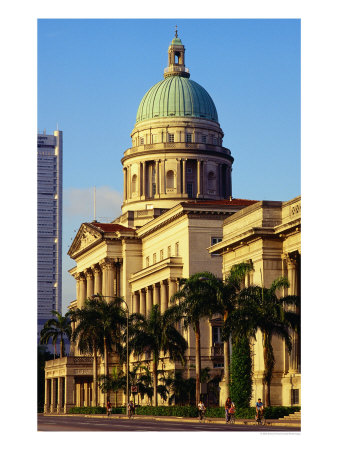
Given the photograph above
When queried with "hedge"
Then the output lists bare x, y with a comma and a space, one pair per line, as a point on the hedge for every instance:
272, 412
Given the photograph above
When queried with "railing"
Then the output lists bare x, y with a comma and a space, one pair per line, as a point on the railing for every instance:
217, 350
176, 69
68, 360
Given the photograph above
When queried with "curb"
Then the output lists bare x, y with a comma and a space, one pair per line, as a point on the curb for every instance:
251, 422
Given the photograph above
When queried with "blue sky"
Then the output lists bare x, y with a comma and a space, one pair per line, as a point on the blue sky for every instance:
93, 73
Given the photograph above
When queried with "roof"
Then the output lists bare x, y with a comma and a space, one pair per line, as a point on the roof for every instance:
233, 202
176, 96
110, 227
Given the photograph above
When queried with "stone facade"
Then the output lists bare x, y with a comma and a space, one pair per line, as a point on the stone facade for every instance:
268, 234
177, 194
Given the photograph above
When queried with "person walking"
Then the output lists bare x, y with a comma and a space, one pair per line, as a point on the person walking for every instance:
108, 408
201, 410
229, 409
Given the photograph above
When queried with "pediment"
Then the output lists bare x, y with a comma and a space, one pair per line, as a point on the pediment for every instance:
85, 237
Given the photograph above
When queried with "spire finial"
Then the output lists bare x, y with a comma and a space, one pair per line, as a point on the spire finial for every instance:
176, 31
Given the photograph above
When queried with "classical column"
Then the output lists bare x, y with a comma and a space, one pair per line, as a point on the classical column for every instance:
157, 181
198, 178
184, 185
53, 395
46, 408
156, 294
107, 278
124, 184
90, 283
60, 394
149, 301
178, 177
69, 393
163, 174
172, 288
164, 297
142, 302
97, 279
82, 290
144, 171
136, 302
293, 290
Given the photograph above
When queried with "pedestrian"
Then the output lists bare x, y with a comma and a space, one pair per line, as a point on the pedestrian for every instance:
201, 410
108, 408
229, 409
131, 409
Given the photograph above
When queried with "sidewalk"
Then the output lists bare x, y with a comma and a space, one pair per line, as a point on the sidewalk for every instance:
275, 422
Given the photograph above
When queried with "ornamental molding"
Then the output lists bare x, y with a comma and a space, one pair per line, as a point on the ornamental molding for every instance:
84, 239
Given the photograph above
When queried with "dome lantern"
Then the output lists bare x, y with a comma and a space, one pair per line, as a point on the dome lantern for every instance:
176, 63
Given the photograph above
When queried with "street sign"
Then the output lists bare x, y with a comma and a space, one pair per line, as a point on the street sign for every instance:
133, 389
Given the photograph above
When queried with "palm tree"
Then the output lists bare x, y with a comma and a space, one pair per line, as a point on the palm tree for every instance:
55, 328
226, 303
111, 319
156, 334
261, 309
199, 294
113, 382
98, 329
89, 338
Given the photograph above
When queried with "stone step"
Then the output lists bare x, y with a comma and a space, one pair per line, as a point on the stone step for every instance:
294, 416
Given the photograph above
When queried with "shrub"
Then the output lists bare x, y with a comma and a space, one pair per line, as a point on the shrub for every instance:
177, 411
241, 373
88, 410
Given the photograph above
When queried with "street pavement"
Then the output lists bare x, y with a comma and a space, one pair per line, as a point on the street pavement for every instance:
50, 422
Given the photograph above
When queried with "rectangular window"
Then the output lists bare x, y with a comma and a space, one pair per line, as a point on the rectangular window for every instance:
170, 137
295, 396
204, 139
154, 258
215, 240
142, 141
189, 169
216, 335
189, 190
147, 261
214, 140
189, 137
161, 255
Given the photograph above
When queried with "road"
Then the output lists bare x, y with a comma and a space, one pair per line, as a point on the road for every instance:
71, 423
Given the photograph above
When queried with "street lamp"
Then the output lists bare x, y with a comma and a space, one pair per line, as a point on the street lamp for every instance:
127, 362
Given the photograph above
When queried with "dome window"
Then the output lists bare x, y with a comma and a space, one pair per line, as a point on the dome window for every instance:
189, 137
170, 179
171, 138
142, 141
204, 139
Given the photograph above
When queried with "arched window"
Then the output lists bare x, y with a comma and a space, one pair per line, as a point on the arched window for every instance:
211, 181
170, 179
134, 184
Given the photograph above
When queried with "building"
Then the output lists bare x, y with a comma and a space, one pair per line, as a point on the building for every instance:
49, 226
177, 194
268, 234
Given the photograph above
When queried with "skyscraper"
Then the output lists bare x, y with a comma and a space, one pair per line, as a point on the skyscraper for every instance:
49, 225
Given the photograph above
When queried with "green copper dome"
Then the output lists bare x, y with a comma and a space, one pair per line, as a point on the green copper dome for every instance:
177, 96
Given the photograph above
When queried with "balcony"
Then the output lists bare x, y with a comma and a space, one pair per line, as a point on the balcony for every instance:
217, 350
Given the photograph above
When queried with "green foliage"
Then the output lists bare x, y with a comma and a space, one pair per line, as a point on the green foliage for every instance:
273, 412
241, 373
89, 410
176, 411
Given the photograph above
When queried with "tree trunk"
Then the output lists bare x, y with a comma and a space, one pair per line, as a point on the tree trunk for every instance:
61, 348
155, 380
94, 376
198, 361
105, 357
226, 370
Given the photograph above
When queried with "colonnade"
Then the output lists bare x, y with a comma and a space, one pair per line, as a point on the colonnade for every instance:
102, 278
292, 263
151, 178
59, 394
154, 294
